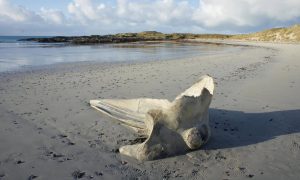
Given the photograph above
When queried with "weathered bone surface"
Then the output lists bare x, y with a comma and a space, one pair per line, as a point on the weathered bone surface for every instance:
170, 127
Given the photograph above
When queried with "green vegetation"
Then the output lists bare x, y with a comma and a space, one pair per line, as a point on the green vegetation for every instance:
290, 34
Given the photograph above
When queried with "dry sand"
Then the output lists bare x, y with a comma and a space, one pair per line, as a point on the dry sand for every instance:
48, 130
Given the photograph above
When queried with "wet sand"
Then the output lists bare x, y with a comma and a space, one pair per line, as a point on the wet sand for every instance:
49, 131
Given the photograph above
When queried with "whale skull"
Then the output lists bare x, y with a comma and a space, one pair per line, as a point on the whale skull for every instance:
170, 127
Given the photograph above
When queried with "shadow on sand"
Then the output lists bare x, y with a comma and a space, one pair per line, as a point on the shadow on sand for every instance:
232, 129
235, 128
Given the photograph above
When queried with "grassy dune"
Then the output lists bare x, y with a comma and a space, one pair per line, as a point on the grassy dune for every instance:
289, 34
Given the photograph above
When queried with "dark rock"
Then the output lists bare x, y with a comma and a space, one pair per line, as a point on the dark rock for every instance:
57, 155
250, 175
242, 168
32, 177
98, 173
71, 143
123, 38
78, 174
62, 135
20, 162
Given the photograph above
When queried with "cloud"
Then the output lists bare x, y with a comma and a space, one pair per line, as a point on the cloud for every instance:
165, 12
52, 16
83, 10
277, 9
9, 12
171, 15
20, 14
243, 13
128, 15
103, 17
18, 20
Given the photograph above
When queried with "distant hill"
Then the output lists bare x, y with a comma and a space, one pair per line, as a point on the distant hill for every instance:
289, 34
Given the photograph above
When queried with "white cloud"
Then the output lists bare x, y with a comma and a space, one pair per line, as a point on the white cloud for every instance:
15, 13
18, 20
151, 14
101, 17
87, 12
180, 15
83, 9
20, 14
277, 9
212, 13
52, 16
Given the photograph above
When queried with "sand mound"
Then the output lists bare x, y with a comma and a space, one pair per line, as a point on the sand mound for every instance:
289, 34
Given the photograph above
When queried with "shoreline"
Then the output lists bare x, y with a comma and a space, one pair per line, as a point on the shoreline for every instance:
55, 65
253, 116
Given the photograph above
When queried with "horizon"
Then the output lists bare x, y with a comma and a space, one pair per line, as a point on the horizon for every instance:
102, 17
141, 32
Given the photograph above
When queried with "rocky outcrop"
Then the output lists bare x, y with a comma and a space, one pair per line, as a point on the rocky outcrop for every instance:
123, 38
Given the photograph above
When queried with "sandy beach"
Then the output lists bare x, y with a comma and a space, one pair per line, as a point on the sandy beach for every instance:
49, 131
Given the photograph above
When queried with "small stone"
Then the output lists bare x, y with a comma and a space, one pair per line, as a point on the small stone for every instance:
57, 155
93, 145
78, 174
98, 173
250, 175
20, 162
71, 143
123, 162
62, 135
32, 177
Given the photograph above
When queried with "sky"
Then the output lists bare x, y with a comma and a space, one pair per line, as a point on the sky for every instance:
89, 17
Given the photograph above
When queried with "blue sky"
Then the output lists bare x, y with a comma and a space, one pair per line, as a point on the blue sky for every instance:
85, 17
35, 5
62, 4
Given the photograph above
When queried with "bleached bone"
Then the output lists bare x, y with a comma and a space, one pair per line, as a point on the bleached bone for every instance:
170, 127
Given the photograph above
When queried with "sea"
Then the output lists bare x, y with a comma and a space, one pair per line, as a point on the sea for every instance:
16, 54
